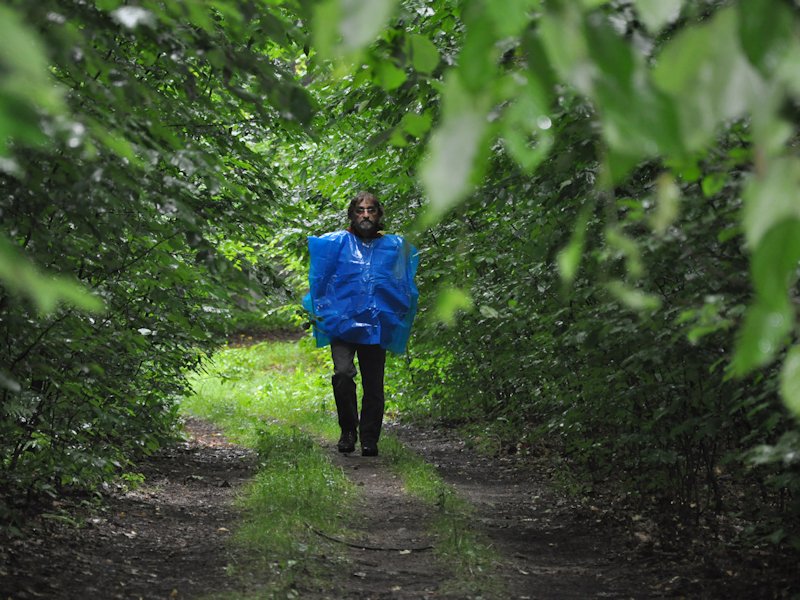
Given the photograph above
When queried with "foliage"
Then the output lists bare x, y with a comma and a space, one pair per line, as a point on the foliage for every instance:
606, 224
134, 170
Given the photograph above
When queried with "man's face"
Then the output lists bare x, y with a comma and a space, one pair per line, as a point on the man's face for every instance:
366, 217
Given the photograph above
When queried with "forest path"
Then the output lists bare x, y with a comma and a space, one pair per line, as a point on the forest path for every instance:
544, 549
395, 558
548, 546
166, 539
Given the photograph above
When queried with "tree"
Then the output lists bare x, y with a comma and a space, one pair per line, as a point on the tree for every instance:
131, 188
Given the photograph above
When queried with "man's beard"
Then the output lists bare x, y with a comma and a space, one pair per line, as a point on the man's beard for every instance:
365, 226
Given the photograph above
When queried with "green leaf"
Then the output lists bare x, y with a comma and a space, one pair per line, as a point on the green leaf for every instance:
26, 85
526, 127
567, 50
20, 276
709, 79
633, 298
488, 312
771, 318
655, 14
628, 247
763, 334
766, 29
790, 381
344, 27
9, 384
647, 127
541, 79
398, 139
774, 264
529, 144
389, 76
449, 302
416, 125
71, 292
455, 150
789, 71
510, 17
770, 198
26, 68
424, 54
713, 184
668, 199
477, 62
569, 258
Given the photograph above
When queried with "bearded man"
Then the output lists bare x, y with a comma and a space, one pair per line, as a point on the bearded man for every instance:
362, 299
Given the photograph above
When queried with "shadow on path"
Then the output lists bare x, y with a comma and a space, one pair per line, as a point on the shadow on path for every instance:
165, 539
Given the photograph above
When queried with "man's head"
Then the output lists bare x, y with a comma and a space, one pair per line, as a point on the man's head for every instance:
365, 214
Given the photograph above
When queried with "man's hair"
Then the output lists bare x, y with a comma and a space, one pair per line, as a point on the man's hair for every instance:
351, 210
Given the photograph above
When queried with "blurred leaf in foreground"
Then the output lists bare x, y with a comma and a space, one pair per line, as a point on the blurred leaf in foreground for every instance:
26, 86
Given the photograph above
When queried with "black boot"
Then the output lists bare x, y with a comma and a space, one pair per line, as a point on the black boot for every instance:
347, 442
369, 449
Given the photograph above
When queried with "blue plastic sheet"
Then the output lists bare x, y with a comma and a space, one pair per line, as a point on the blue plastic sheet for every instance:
362, 291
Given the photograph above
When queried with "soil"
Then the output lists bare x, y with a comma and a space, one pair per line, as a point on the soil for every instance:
167, 538
164, 539
559, 545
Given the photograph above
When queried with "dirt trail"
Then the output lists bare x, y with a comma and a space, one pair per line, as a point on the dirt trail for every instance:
395, 558
167, 538
565, 548
163, 540
549, 546
541, 554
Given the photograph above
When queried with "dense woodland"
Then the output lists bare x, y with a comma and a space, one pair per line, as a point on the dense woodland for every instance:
604, 195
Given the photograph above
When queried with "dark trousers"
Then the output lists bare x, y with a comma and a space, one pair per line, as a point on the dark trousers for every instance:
371, 362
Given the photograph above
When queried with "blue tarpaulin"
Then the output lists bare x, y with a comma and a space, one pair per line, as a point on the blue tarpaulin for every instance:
362, 290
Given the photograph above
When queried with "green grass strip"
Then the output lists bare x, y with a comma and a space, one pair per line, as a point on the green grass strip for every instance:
295, 490
275, 397
459, 546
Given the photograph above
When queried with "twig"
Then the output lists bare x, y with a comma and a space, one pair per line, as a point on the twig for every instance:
364, 546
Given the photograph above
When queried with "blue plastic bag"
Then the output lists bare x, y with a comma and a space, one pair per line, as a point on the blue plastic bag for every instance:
362, 291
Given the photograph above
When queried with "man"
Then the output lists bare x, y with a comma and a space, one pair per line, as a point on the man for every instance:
362, 299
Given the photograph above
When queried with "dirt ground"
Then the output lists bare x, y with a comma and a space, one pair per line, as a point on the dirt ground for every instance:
556, 546
163, 540
167, 538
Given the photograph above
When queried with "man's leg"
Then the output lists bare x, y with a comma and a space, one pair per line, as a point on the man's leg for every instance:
371, 362
344, 392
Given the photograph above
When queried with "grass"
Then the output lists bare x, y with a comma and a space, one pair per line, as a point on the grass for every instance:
270, 382
275, 397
